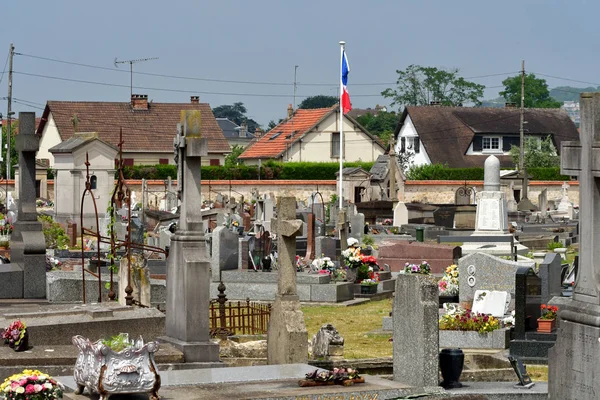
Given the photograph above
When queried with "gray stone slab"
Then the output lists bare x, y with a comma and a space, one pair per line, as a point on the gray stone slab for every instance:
498, 339
504, 391
11, 281
66, 287
387, 324
332, 293
256, 291
271, 277
480, 271
326, 247
550, 273
416, 330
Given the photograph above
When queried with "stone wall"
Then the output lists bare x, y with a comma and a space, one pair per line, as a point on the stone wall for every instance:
434, 192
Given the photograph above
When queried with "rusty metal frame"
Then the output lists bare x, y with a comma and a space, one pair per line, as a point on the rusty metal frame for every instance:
120, 194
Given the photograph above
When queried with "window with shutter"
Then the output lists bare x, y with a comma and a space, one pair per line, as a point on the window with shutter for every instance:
128, 162
163, 160
335, 144
402, 144
214, 162
417, 144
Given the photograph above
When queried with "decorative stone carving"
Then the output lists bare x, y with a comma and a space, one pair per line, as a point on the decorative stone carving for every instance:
104, 371
327, 343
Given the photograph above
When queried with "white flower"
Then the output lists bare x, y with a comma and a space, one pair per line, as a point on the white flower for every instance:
48, 385
352, 242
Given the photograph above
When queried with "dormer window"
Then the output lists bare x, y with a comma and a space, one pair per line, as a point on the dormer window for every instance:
490, 143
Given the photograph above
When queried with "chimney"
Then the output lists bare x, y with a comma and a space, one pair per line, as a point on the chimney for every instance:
258, 132
510, 105
195, 99
290, 111
243, 129
435, 103
139, 101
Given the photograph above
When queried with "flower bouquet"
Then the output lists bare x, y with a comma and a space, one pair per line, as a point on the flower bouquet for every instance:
16, 336
31, 385
422, 268
352, 257
339, 376
448, 285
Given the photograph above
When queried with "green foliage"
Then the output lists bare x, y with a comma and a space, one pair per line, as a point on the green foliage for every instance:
547, 174
536, 92
14, 156
368, 240
118, 342
319, 101
442, 172
236, 112
418, 85
55, 236
554, 245
270, 170
232, 159
362, 272
382, 125
538, 153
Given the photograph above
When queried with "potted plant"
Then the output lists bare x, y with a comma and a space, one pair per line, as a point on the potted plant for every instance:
460, 328
31, 385
547, 321
352, 259
448, 285
369, 286
116, 365
423, 268
16, 336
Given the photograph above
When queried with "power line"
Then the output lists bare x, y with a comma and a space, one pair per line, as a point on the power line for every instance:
4, 69
236, 81
566, 79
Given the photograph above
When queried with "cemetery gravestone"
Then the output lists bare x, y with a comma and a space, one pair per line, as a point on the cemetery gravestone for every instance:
400, 214
28, 245
287, 338
573, 361
326, 247
416, 336
480, 271
543, 202
188, 264
462, 196
224, 251
521, 372
357, 225
492, 303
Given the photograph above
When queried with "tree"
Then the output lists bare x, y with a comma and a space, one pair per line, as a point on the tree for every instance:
237, 114
539, 153
320, 101
418, 85
537, 94
231, 160
382, 125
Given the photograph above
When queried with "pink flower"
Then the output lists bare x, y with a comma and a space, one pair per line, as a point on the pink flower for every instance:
38, 388
29, 389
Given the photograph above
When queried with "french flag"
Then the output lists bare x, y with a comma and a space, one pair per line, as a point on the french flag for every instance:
345, 99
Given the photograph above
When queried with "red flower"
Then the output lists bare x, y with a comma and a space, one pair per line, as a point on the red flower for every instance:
543, 306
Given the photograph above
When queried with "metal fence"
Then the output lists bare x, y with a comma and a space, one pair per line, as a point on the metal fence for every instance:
238, 318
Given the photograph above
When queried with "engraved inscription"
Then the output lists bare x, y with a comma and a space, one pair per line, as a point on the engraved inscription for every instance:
488, 216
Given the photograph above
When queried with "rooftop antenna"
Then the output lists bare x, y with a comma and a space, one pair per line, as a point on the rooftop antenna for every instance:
131, 62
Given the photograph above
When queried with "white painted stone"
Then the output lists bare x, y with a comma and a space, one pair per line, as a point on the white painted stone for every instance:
400, 214
493, 303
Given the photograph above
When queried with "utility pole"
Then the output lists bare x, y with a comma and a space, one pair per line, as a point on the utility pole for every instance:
525, 204
9, 112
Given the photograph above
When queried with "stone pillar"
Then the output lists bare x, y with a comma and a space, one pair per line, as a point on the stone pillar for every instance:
416, 341
28, 245
573, 361
342, 226
188, 265
287, 338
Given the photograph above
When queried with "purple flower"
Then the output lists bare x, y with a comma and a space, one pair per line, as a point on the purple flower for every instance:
414, 268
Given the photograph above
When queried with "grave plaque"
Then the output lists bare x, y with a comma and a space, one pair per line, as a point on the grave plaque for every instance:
521, 371
488, 215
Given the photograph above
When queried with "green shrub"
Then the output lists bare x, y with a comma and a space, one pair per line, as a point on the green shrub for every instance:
443, 173
55, 236
554, 245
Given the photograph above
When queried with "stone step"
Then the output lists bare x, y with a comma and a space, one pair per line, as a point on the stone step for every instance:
388, 294
542, 337
530, 349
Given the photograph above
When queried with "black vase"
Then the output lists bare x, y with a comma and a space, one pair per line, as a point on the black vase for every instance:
23, 344
451, 364
266, 263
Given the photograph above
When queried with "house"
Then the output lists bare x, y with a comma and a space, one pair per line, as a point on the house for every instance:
235, 134
314, 135
464, 137
148, 128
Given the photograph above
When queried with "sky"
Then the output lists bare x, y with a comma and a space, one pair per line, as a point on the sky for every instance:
258, 43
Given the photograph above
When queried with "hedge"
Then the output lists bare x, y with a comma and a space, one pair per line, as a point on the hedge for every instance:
269, 170
443, 173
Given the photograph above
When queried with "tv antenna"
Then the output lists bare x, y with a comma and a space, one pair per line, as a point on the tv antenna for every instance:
131, 62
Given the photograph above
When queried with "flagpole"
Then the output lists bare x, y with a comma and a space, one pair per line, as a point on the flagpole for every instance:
341, 195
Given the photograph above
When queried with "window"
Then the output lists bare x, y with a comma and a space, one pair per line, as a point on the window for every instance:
490, 143
214, 162
402, 144
128, 162
163, 160
93, 182
410, 143
335, 144
275, 135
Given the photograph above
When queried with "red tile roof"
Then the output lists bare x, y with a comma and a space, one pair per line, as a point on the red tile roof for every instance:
150, 130
274, 142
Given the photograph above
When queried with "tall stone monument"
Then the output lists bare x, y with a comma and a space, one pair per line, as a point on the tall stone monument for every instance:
28, 246
574, 365
188, 265
287, 338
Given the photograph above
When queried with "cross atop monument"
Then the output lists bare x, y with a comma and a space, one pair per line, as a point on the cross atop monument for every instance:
581, 159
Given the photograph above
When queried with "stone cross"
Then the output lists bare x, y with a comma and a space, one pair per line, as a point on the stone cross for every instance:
581, 159
565, 187
342, 226
188, 264
287, 228
287, 338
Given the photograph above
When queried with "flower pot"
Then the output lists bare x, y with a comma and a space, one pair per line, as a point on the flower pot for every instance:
368, 289
546, 325
266, 263
351, 274
451, 365
23, 344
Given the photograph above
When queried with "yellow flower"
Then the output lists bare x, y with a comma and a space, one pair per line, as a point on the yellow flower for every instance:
20, 390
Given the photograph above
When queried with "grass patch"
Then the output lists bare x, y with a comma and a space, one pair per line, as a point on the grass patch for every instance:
354, 324
538, 373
